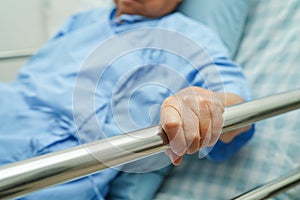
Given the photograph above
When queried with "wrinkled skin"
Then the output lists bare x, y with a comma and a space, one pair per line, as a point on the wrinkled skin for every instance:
193, 119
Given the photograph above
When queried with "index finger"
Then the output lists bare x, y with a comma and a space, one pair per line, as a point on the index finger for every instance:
172, 124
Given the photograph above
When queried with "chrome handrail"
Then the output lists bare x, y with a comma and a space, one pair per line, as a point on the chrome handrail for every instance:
14, 54
272, 188
30, 175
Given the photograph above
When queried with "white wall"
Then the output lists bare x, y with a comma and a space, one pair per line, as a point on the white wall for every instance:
22, 24
22, 27
27, 24
58, 11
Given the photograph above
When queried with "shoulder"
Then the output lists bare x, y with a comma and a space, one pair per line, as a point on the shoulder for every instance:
197, 31
88, 17
179, 21
82, 20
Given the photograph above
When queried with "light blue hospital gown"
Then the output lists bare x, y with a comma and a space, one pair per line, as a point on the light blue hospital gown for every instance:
37, 113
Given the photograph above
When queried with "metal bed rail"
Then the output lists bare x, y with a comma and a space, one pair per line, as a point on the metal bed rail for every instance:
272, 188
14, 54
21, 178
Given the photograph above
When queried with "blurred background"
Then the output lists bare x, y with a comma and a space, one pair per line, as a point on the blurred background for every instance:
27, 25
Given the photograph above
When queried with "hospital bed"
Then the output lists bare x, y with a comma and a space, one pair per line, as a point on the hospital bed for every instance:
270, 55
269, 52
30, 175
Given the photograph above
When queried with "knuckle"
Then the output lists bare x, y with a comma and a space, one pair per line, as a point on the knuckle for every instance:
202, 104
172, 124
168, 101
186, 99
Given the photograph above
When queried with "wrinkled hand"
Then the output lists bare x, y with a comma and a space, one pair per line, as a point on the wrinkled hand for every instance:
192, 120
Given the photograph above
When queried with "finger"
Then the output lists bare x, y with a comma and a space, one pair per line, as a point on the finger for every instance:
172, 124
207, 138
178, 161
204, 116
217, 111
175, 159
191, 124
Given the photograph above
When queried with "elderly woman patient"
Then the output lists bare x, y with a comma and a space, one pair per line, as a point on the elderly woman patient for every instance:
44, 110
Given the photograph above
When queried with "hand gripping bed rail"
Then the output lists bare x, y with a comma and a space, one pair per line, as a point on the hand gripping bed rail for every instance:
30, 175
